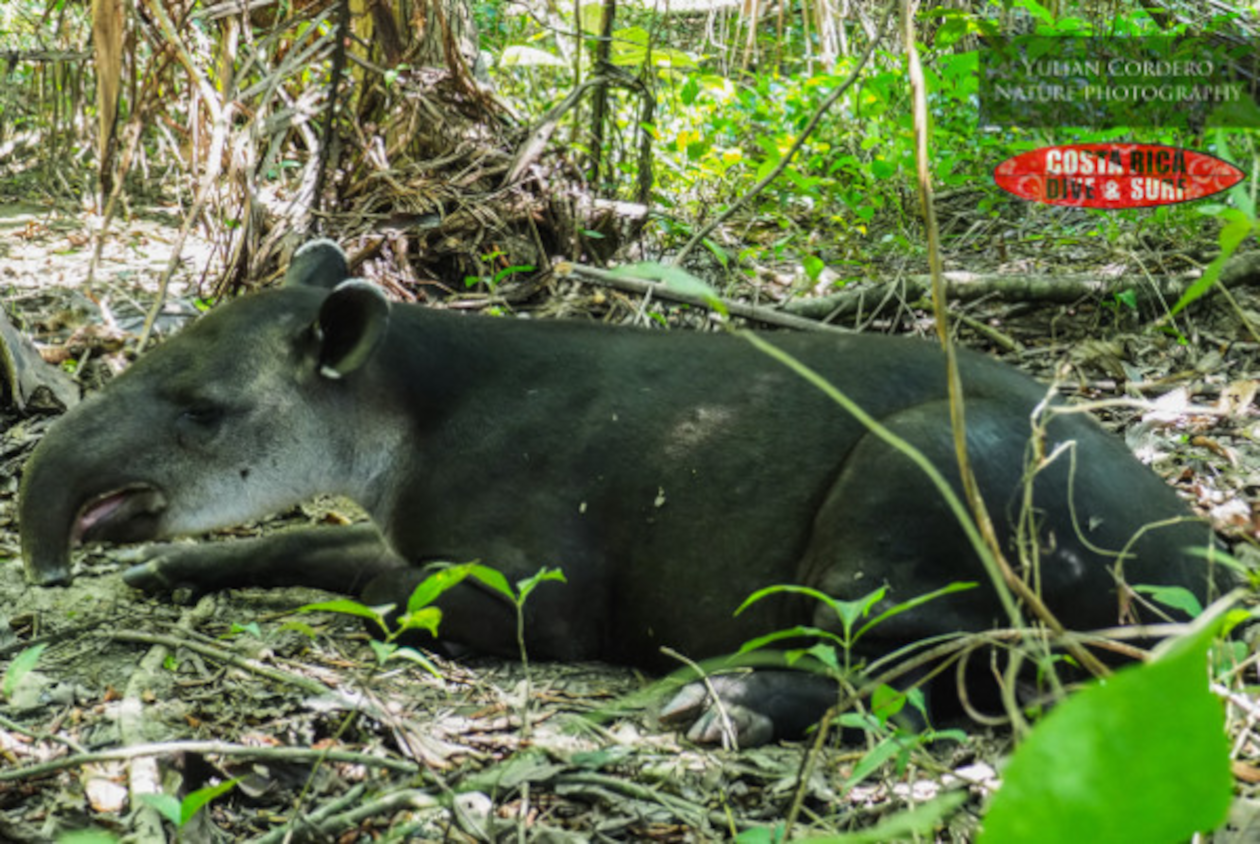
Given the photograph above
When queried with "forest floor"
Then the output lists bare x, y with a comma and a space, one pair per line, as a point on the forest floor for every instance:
134, 694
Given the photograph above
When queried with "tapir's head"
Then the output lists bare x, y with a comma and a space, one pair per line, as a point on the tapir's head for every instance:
249, 410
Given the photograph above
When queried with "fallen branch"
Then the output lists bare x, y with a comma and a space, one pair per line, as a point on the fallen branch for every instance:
643, 288
961, 286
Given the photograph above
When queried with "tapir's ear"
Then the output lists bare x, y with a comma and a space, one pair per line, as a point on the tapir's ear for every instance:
352, 323
318, 263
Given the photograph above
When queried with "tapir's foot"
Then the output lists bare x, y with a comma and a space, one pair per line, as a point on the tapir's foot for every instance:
340, 559
759, 706
181, 571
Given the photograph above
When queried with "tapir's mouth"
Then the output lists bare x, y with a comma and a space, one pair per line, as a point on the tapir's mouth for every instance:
127, 514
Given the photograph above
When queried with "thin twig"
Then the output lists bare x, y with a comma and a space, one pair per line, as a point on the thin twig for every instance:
208, 748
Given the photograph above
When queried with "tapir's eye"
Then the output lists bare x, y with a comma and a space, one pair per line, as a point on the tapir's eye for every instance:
201, 414
197, 424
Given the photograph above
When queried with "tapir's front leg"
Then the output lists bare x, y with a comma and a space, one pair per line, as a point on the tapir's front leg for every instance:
336, 559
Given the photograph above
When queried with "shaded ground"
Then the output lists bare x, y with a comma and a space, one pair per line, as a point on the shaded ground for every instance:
291, 703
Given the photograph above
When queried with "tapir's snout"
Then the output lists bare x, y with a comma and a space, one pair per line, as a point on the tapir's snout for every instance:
73, 494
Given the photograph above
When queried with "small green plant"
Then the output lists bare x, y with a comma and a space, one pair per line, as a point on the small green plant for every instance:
839, 656
248, 629
492, 277
1239, 222
21, 665
524, 588
180, 812
419, 615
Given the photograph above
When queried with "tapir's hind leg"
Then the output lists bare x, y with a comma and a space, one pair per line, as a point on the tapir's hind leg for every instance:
341, 559
884, 524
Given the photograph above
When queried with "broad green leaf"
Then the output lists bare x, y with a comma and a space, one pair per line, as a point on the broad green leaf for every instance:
1177, 597
193, 803
21, 665
1141, 758
347, 607
435, 584
813, 266
424, 618
886, 702
824, 653
494, 579
165, 805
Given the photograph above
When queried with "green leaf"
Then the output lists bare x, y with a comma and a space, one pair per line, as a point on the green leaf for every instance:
1177, 597
761, 835
429, 589
165, 805
347, 607
912, 603
675, 278
526, 586
424, 618
1237, 227
850, 611
21, 665
790, 633
1141, 757
411, 655
382, 650
824, 653
591, 16
783, 588
813, 266
300, 628
494, 579
886, 702
1240, 193
193, 803
874, 760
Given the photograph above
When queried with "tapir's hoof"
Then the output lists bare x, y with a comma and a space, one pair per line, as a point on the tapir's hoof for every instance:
759, 707
147, 577
172, 571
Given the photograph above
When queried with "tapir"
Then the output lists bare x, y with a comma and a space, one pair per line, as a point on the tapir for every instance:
669, 474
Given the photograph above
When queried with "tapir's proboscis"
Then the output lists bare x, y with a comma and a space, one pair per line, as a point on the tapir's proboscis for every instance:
669, 474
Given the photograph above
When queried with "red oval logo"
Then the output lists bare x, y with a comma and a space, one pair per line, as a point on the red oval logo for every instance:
1115, 175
